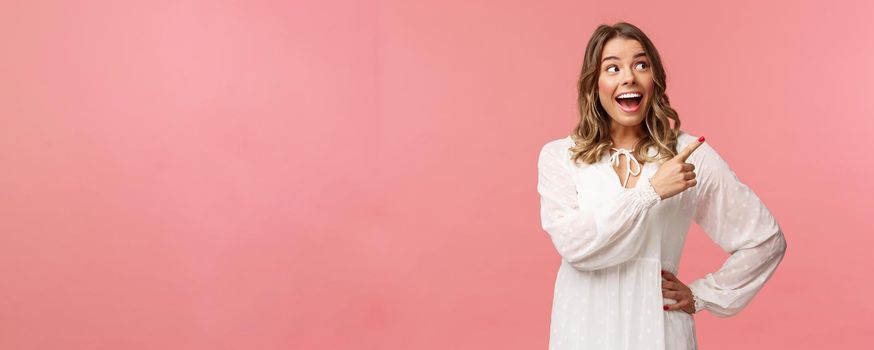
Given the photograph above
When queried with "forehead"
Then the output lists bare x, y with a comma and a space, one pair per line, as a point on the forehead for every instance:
621, 47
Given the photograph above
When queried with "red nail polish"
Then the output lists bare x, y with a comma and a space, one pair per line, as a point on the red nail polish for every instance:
701, 139
666, 307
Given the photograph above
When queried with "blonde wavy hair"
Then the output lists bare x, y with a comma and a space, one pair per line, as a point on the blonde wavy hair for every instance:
592, 135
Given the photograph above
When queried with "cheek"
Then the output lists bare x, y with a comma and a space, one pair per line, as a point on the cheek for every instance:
603, 86
605, 89
648, 83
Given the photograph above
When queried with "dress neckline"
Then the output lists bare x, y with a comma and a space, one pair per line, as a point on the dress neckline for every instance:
629, 158
603, 167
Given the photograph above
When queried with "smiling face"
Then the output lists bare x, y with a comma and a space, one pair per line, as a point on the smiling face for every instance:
625, 68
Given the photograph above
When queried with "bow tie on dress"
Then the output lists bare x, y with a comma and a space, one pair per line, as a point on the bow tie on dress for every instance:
614, 159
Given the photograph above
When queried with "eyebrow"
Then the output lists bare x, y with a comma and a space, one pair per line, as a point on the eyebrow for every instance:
616, 58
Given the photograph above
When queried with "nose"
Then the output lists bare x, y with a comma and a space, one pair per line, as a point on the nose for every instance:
628, 77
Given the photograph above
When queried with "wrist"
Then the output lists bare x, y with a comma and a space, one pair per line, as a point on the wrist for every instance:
646, 194
656, 188
697, 302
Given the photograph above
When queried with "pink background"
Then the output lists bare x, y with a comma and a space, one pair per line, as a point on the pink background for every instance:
361, 174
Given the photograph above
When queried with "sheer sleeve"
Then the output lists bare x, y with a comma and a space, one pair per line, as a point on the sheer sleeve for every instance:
734, 217
608, 235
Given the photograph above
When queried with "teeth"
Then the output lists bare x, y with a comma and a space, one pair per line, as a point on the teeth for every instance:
629, 95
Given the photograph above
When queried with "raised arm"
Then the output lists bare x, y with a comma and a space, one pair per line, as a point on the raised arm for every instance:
589, 240
734, 217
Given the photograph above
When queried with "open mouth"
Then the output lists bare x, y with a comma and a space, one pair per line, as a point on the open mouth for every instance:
629, 102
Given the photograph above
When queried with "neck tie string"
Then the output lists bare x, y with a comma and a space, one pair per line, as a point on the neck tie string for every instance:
614, 159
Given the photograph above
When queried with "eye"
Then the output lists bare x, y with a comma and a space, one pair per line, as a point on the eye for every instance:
645, 66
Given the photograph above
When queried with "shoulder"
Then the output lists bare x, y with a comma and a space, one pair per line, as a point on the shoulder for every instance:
685, 139
556, 152
556, 147
709, 164
705, 152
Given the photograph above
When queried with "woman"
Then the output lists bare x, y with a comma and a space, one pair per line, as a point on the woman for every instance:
620, 225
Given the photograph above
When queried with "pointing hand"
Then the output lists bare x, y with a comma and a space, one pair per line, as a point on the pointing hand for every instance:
675, 175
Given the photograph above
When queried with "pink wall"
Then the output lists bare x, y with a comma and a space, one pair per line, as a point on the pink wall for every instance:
361, 175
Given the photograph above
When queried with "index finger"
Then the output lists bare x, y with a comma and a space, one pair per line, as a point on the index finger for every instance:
686, 152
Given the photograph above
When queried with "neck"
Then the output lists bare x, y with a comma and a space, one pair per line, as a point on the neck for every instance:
626, 136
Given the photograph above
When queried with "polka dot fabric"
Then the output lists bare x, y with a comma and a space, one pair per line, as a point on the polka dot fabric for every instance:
614, 241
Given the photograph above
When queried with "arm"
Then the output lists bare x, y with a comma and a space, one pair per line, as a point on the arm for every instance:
589, 239
733, 217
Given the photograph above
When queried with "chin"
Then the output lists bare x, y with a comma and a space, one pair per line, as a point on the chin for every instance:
629, 120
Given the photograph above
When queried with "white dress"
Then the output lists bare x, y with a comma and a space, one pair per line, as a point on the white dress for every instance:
614, 242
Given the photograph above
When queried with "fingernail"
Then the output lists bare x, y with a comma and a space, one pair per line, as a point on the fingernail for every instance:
701, 139
666, 307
